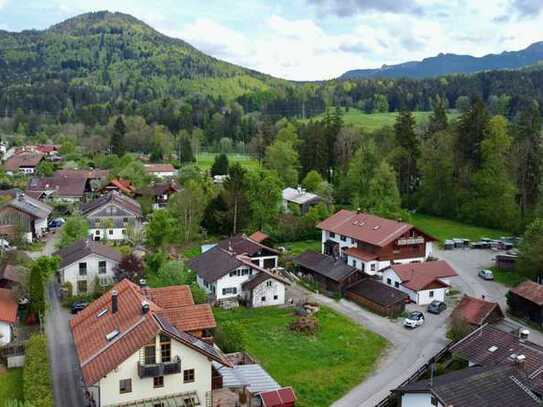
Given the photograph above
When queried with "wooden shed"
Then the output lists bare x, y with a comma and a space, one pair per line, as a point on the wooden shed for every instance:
378, 297
526, 301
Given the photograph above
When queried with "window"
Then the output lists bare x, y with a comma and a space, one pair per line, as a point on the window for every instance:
373, 267
245, 272
158, 381
82, 287
188, 376
123, 231
102, 267
433, 400
269, 263
229, 290
275, 297
150, 354
125, 386
396, 284
354, 263
343, 238
332, 235
165, 349
82, 269
97, 232
269, 283
389, 281
431, 294
233, 273
263, 299
110, 231
158, 404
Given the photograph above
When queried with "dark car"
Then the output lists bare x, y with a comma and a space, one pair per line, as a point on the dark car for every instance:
436, 307
79, 306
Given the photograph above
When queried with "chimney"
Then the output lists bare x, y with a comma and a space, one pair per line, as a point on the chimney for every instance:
143, 283
483, 297
520, 360
114, 301
358, 210
299, 189
144, 307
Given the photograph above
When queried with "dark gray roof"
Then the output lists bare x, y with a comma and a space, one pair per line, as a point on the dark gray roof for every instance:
259, 279
29, 205
116, 197
326, 266
377, 292
214, 263
479, 386
241, 244
61, 185
83, 248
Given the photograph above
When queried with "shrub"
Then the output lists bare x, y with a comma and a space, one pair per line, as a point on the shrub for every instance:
307, 325
36, 377
458, 328
230, 337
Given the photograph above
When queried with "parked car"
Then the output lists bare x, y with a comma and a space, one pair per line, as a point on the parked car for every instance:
4, 245
486, 274
79, 306
436, 307
414, 319
56, 224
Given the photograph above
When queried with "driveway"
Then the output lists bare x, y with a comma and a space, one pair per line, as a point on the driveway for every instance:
410, 349
63, 361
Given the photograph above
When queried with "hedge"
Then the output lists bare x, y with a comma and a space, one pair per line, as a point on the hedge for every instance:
38, 391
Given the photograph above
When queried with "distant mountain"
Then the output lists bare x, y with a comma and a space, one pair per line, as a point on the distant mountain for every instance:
103, 58
445, 64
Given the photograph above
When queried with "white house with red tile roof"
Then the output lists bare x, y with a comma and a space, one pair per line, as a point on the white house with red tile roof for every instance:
423, 282
146, 347
161, 170
8, 314
371, 243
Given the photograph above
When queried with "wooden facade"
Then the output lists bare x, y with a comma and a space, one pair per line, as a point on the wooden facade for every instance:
17, 218
524, 308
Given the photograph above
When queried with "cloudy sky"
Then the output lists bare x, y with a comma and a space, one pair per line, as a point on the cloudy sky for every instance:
313, 39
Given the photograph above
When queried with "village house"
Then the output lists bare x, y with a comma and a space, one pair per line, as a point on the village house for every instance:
8, 315
141, 346
371, 243
477, 311
119, 185
423, 282
526, 301
86, 263
22, 163
159, 193
378, 297
260, 254
161, 170
225, 275
299, 198
25, 214
110, 216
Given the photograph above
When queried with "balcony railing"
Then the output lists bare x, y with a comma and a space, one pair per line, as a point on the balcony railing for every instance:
159, 369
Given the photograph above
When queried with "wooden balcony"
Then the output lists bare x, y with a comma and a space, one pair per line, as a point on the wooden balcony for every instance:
159, 369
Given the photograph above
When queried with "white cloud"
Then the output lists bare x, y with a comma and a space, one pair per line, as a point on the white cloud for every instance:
3, 3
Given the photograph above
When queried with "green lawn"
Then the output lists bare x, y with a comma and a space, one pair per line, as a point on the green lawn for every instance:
507, 278
296, 248
321, 369
443, 229
375, 121
11, 385
205, 160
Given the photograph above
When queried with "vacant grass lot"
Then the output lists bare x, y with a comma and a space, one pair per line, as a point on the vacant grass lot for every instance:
507, 278
321, 369
296, 248
443, 229
205, 160
11, 385
375, 121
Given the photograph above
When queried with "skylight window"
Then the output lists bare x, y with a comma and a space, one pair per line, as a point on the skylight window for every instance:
102, 313
493, 349
110, 336
376, 227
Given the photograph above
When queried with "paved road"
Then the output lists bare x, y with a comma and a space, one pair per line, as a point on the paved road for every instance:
410, 349
63, 361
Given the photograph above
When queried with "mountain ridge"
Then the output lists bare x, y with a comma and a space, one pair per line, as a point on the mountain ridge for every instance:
450, 63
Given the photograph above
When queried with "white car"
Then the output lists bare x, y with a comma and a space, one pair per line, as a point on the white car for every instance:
414, 319
4, 245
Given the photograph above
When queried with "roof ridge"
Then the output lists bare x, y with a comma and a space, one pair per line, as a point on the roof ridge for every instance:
524, 388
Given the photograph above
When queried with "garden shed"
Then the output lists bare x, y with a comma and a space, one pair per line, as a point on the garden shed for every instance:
378, 297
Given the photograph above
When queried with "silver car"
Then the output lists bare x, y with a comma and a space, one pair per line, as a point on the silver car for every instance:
486, 274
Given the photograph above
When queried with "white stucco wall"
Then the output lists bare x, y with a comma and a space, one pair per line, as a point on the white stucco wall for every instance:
419, 297
5, 333
70, 273
40, 226
104, 234
337, 238
259, 261
265, 294
418, 400
369, 267
173, 384
234, 281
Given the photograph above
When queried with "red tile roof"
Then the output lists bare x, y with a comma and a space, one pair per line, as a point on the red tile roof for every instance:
122, 185
98, 355
366, 228
360, 254
8, 306
531, 291
474, 310
159, 168
17, 161
417, 276
283, 397
259, 236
